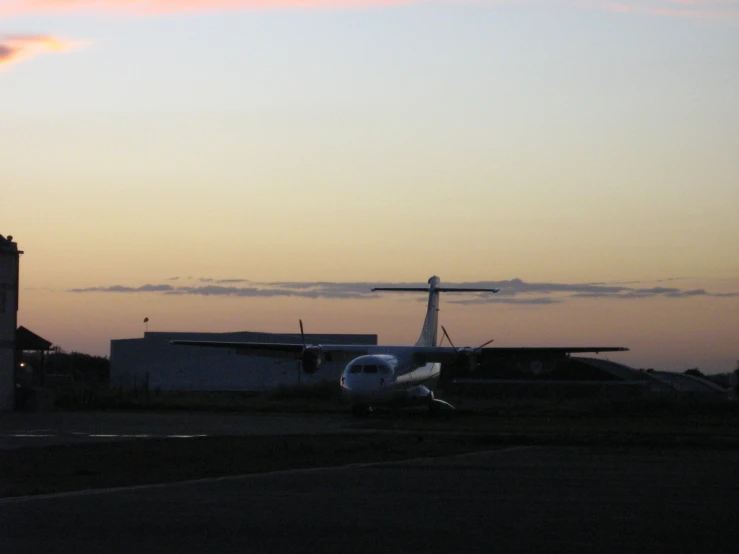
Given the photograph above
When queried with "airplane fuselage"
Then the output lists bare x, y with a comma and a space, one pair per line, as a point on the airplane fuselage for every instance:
389, 378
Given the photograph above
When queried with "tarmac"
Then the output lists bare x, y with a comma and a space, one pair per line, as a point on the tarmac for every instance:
20, 429
517, 499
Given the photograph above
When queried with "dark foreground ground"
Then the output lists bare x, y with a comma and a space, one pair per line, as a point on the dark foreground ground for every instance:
507, 478
63, 451
60, 468
519, 499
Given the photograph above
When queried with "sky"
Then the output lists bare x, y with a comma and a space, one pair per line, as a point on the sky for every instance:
231, 165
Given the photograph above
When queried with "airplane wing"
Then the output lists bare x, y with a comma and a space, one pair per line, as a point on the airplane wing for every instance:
277, 350
423, 354
428, 354
553, 349
332, 352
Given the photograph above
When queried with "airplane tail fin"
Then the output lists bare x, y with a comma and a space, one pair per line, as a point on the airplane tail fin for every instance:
429, 332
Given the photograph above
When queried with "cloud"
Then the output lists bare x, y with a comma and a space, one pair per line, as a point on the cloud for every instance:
221, 281
517, 291
264, 291
15, 48
121, 288
513, 291
541, 300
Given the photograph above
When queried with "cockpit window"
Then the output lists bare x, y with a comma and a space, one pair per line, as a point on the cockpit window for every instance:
370, 368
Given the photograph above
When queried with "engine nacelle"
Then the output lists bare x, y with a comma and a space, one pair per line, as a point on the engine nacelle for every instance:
311, 359
466, 361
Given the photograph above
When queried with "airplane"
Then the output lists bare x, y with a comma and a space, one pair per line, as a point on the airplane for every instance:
394, 375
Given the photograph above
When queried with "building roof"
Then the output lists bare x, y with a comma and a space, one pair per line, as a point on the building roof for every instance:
686, 383
28, 340
7, 245
619, 371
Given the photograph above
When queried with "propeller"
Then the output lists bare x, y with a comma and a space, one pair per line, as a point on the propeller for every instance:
466, 358
448, 338
310, 357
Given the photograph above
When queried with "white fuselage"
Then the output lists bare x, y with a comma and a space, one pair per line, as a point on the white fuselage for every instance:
388, 378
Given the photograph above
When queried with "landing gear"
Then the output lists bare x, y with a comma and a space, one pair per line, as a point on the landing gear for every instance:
436, 406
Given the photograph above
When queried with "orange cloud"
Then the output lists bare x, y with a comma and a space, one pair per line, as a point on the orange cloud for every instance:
14, 48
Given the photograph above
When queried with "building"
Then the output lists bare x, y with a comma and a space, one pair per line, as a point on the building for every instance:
669, 384
9, 272
567, 377
585, 377
30, 345
153, 362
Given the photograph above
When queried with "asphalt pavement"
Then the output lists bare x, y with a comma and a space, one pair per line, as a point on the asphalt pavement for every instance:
521, 499
22, 429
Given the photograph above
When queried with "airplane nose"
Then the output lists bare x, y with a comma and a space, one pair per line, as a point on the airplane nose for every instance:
349, 383
362, 387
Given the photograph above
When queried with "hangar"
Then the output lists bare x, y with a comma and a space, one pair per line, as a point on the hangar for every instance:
587, 377
153, 362
667, 383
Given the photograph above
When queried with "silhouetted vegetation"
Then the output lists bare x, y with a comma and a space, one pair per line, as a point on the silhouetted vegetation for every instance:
694, 372
58, 378
75, 366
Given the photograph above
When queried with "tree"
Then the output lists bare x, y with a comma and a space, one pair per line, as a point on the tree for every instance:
695, 372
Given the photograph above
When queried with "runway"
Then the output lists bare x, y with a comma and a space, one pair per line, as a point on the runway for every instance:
522, 499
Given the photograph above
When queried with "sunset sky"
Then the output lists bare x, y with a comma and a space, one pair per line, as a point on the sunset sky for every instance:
236, 165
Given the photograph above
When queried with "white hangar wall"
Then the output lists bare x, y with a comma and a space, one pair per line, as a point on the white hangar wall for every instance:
187, 368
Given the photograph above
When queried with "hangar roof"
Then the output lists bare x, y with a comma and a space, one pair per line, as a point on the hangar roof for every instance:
619, 371
256, 336
685, 383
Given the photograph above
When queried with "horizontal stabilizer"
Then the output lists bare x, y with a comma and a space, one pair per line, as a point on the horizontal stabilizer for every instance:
451, 289
426, 289
402, 289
